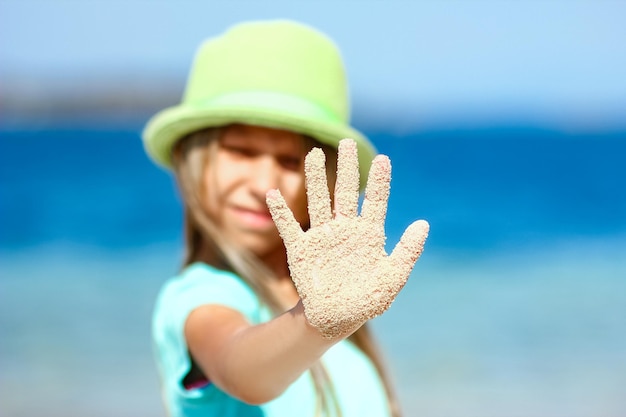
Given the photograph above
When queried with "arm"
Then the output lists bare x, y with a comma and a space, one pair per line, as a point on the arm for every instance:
253, 363
340, 270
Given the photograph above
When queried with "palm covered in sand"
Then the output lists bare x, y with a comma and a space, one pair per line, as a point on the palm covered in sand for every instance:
339, 266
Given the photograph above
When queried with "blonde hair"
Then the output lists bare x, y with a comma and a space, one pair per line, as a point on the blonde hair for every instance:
204, 243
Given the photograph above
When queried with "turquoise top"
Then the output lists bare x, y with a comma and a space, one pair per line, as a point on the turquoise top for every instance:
359, 390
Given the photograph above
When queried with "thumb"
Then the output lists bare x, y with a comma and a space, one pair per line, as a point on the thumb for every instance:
409, 248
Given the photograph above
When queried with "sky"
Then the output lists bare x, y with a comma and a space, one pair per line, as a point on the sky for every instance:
560, 62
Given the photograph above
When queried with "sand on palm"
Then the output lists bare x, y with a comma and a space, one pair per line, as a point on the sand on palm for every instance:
339, 266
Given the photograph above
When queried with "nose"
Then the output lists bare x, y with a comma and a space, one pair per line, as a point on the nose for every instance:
264, 175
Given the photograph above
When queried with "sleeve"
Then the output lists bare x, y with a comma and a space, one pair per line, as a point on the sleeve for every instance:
198, 285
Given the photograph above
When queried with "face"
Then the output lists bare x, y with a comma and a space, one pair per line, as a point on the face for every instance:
247, 162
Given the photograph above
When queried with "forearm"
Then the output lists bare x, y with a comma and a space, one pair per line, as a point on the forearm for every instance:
257, 363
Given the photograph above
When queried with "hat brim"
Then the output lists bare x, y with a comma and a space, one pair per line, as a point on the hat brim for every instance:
272, 110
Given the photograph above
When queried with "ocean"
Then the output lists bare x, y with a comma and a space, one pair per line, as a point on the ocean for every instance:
516, 308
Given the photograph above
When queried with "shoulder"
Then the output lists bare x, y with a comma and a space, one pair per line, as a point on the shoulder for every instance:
200, 284
199, 276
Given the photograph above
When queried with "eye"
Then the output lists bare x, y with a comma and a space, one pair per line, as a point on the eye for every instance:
239, 150
290, 162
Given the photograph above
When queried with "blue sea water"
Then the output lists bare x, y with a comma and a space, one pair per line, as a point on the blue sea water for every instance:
518, 306
480, 190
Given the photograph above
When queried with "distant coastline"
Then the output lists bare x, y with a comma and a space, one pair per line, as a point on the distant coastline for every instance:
119, 101
127, 101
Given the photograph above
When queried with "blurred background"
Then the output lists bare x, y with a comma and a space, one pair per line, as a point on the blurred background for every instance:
506, 126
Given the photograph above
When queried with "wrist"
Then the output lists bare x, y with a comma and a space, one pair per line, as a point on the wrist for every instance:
326, 339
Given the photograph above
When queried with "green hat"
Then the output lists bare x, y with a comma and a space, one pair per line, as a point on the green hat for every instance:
277, 74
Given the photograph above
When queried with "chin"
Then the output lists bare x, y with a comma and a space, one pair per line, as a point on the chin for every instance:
262, 246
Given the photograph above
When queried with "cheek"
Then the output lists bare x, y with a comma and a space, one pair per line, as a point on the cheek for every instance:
295, 194
215, 185
303, 210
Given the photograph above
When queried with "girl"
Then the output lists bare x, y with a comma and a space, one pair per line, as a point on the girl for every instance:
265, 104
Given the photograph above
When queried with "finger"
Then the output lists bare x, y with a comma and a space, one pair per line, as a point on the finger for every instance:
287, 225
377, 190
317, 187
347, 185
409, 248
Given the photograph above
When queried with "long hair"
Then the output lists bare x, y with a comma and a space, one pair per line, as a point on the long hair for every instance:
204, 243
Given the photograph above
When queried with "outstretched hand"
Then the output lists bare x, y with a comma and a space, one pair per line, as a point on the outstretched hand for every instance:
339, 266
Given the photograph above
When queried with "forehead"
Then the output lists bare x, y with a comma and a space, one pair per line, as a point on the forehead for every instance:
259, 136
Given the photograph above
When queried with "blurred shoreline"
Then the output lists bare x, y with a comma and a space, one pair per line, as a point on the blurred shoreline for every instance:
31, 104
127, 101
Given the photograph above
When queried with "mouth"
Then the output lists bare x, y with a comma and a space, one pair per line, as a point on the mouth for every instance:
257, 219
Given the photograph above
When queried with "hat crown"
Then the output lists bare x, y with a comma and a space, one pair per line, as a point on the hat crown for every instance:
280, 57
279, 74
